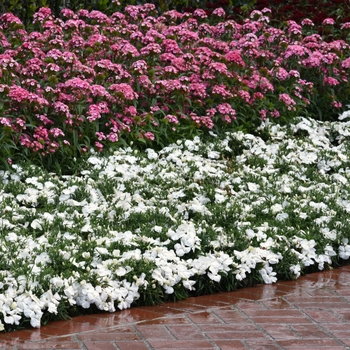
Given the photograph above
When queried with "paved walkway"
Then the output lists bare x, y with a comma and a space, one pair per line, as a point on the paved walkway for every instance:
311, 313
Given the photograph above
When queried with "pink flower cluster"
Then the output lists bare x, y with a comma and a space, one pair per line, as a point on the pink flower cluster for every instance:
89, 79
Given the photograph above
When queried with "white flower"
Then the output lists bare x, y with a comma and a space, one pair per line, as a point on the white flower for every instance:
219, 198
11, 236
181, 249
214, 155
157, 229
85, 255
329, 250
253, 187
122, 271
344, 250
282, 216
268, 275
250, 233
151, 154
330, 234
214, 277
13, 319
276, 208
51, 301
319, 206
36, 224
42, 259
71, 294
338, 177
307, 157
188, 284
344, 115
295, 269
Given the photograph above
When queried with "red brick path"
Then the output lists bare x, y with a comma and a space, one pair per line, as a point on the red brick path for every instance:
311, 313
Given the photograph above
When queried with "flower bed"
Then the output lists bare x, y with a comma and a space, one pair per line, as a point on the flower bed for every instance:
186, 157
196, 217
92, 81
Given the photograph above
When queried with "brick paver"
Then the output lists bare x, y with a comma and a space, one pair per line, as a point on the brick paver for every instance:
310, 313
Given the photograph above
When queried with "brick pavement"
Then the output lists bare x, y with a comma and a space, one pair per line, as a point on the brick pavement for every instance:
311, 313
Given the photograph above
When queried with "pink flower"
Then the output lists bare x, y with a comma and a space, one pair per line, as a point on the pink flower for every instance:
170, 69
55, 132
307, 22
346, 63
257, 96
294, 73
171, 119
219, 11
99, 90
61, 107
100, 135
68, 13
295, 50
124, 90
314, 60
130, 50
97, 39
211, 112
337, 104
93, 113
235, 57
199, 90
294, 28
152, 48
200, 13
263, 114
328, 21
345, 25
282, 74
265, 85
222, 91
146, 84
99, 17
258, 16
113, 137
275, 113
99, 146
244, 95
18, 94
132, 111
202, 120
330, 81
288, 101
149, 135
218, 67
44, 13
44, 119
227, 111
8, 18
77, 83
6, 121
140, 66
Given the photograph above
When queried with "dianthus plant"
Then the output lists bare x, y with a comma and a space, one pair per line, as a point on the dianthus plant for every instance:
86, 80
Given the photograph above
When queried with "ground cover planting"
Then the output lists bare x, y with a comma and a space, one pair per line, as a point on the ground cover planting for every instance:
143, 227
92, 81
149, 157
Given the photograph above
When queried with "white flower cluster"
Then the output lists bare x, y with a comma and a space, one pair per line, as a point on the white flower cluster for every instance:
85, 294
140, 222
